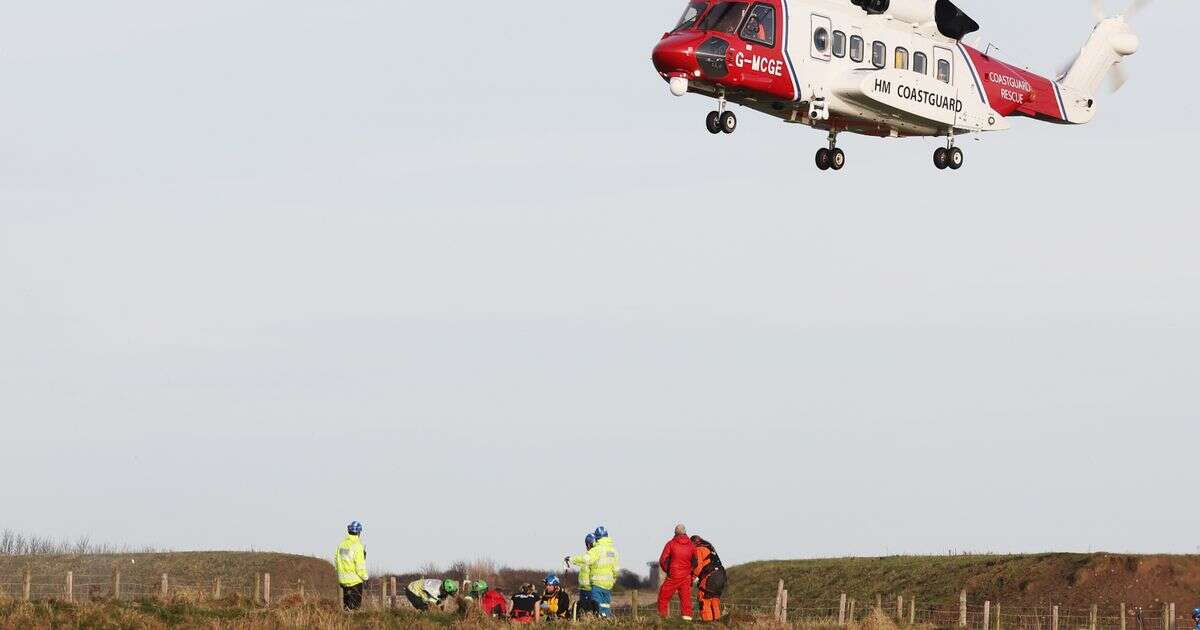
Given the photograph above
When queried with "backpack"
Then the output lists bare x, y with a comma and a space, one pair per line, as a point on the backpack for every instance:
716, 581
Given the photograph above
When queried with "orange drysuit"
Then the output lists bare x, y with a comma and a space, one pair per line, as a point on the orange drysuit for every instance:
708, 563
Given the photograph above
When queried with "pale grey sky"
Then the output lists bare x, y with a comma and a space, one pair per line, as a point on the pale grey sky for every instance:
467, 273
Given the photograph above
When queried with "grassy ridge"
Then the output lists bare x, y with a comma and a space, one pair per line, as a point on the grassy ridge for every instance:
1021, 580
144, 570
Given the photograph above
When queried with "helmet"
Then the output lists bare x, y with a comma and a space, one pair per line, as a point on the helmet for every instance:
589, 540
1196, 614
600, 533
552, 580
479, 587
449, 587
354, 528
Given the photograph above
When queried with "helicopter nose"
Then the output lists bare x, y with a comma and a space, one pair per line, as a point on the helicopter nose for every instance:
675, 57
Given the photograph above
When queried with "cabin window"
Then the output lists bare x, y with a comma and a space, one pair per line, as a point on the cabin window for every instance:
878, 54
839, 44
724, 17
821, 40
856, 48
943, 70
691, 15
760, 25
920, 63
901, 59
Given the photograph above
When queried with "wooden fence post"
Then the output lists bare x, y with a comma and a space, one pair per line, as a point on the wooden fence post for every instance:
637, 613
899, 608
783, 614
778, 600
267, 589
852, 605
999, 618
1122, 615
70, 586
395, 593
217, 587
879, 601
1172, 615
962, 609
912, 611
842, 610
1095, 617
165, 587
28, 583
116, 583
1054, 619
257, 588
987, 616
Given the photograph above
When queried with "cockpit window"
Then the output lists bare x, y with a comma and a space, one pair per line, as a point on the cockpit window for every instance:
690, 15
760, 26
725, 17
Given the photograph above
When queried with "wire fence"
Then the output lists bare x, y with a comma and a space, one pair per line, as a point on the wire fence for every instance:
387, 593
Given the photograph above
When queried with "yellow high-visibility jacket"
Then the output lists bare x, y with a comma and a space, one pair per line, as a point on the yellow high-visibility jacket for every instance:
351, 561
585, 571
605, 564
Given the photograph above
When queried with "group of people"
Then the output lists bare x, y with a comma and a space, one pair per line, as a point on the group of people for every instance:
684, 560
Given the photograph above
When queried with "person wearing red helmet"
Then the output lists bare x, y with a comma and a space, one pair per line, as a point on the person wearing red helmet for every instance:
677, 562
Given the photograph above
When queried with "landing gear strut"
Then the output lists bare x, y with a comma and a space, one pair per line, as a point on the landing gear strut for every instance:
833, 157
721, 121
948, 157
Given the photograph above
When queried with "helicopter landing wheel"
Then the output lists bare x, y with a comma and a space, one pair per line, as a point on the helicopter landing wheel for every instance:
941, 158
728, 122
837, 159
955, 158
824, 158
713, 122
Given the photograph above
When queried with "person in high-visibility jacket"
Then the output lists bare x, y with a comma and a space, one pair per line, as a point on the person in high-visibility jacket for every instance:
351, 563
425, 594
586, 604
605, 565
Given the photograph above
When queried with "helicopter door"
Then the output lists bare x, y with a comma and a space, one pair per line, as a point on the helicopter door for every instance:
822, 28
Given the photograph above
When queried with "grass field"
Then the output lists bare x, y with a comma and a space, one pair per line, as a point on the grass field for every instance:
320, 615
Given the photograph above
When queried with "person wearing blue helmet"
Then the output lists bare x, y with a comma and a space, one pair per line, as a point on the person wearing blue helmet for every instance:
555, 602
604, 564
1196, 617
586, 604
350, 559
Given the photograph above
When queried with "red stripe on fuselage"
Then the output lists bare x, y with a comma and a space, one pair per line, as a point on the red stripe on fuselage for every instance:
1012, 91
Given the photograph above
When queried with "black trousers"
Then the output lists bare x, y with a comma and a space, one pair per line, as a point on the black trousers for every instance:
416, 602
352, 596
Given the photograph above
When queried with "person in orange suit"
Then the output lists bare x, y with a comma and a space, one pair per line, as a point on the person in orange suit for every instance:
711, 574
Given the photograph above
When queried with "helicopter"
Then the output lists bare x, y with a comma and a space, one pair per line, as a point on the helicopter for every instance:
882, 68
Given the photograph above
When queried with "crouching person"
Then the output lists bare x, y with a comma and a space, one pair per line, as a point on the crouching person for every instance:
556, 604
491, 600
426, 594
525, 605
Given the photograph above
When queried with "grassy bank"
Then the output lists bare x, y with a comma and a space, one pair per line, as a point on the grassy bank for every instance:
307, 614
1070, 580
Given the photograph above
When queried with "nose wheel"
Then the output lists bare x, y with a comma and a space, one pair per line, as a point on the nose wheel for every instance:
832, 158
721, 121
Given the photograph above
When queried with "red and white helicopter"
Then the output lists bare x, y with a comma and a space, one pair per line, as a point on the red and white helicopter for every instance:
886, 68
